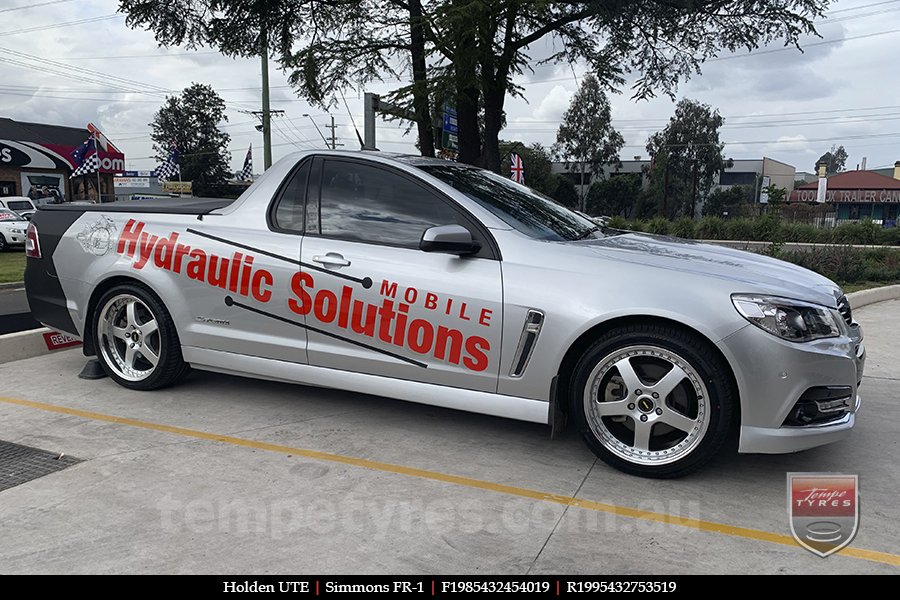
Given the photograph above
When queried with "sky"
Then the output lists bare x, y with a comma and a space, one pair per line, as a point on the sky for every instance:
70, 62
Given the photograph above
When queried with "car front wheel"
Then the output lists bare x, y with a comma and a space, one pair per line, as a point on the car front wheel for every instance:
652, 400
135, 339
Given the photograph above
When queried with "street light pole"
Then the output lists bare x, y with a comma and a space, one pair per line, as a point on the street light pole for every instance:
321, 135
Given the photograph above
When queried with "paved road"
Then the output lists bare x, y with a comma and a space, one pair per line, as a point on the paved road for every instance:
228, 475
15, 315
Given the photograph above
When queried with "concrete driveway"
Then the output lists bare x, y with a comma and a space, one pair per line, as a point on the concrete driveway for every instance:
229, 475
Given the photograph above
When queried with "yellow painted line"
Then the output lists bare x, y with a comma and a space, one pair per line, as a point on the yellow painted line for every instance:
620, 511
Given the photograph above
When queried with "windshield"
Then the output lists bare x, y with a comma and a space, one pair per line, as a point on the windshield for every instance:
19, 205
520, 207
8, 215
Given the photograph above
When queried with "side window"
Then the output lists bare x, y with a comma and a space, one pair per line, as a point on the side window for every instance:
287, 214
369, 204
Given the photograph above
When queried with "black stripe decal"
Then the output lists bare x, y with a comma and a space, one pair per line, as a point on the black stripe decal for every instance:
366, 282
229, 301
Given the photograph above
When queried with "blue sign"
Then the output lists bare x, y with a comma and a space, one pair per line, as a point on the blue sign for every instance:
450, 124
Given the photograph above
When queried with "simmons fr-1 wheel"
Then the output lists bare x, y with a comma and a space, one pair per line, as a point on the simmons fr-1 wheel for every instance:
652, 400
135, 339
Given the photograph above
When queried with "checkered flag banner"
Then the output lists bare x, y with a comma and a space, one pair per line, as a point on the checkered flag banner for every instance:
90, 165
246, 173
170, 167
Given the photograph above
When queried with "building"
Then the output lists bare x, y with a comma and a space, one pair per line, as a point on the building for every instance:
35, 156
749, 172
573, 174
857, 195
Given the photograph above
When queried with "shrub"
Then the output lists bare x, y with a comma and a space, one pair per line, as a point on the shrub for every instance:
683, 228
766, 229
635, 225
618, 222
888, 237
798, 232
739, 229
659, 226
710, 228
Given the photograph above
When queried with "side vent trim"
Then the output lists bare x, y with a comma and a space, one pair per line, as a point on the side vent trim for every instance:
527, 342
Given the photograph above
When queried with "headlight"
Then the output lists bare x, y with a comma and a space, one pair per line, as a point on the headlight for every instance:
792, 320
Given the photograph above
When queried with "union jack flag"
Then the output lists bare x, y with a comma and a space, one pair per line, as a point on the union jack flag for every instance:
517, 169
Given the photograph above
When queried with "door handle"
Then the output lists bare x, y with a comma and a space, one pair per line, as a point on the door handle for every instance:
331, 259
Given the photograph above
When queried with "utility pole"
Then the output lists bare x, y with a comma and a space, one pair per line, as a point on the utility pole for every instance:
266, 112
333, 144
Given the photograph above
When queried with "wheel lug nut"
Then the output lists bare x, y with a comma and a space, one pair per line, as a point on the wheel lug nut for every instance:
659, 411
655, 395
631, 406
638, 392
644, 418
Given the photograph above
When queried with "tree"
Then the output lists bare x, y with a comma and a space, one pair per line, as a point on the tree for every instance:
727, 200
616, 196
692, 151
835, 160
467, 52
192, 120
565, 193
586, 138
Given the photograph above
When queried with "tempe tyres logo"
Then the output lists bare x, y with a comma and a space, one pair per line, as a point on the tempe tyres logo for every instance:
823, 509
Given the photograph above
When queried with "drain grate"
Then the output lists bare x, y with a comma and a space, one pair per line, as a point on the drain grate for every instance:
20, 464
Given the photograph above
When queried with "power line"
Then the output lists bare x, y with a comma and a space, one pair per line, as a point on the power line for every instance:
27, 6
58, 25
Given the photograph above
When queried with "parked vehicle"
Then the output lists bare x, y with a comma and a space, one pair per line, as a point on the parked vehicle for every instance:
12, 229
20, 204
444, 284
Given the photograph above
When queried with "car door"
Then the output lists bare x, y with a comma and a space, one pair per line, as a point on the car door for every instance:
238, 302
374, 302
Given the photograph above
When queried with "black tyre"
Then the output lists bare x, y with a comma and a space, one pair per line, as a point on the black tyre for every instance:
135, 339
652, 400
3, 245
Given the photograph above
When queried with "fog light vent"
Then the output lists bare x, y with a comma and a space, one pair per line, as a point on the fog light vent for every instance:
820, 404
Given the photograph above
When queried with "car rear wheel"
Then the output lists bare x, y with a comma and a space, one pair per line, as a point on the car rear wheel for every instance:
652, 400
135, 339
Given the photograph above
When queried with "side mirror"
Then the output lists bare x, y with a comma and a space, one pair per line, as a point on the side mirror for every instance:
449, 239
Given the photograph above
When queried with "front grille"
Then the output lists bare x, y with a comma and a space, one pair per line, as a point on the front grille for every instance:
844, 309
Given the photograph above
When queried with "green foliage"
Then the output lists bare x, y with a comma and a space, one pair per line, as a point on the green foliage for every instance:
586, 138
538, 165
469, 53
767, 229
191, 120
722, 201
835, 160
565, 193
691, 147
683, 228
711, 228
659, 226
777, 195
739, 229
617, 195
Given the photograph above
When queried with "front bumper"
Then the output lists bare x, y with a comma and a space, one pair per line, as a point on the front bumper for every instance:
772, 375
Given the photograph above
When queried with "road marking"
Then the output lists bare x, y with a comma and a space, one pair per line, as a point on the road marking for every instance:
620, 511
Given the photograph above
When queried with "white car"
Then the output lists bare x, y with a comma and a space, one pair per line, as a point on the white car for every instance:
23, 205
12, 229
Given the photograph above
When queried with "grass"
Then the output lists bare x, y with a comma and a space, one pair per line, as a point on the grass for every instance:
865, 285
12, 266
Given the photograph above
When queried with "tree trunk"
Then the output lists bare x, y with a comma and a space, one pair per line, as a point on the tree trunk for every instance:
493, 121
421, 105
465, 68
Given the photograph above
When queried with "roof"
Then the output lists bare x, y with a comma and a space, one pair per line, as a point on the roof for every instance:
46, 134
856, 180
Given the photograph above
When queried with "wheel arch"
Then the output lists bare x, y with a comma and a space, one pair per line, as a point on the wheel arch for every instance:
560, 394
101, 288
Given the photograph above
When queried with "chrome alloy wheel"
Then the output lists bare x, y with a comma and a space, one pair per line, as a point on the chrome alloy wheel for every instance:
647, 405
129, 337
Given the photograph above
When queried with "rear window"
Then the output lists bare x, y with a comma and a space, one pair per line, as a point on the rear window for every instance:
19, 205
